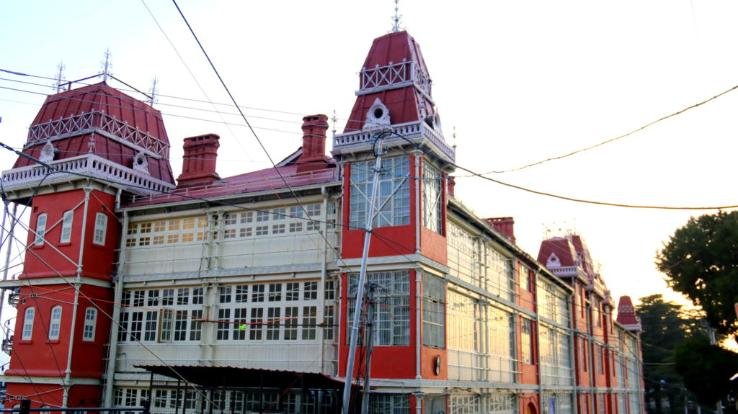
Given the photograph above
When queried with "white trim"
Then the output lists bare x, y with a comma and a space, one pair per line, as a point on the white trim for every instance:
14, 283
48, 380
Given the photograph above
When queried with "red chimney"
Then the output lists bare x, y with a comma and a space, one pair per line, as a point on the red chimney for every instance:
504, 225
313, 143
198, 162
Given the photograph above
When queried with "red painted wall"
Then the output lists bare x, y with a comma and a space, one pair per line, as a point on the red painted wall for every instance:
43, 357
385, 241
48, 260
387, 361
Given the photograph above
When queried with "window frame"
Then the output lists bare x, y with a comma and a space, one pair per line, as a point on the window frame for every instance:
89, 325
100, 233
28, 323
55, 323
66, 226
40, 233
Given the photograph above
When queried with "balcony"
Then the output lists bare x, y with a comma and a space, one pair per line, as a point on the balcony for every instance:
82, 167
418, 133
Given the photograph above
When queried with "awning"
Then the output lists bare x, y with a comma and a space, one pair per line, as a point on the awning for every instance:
237, 377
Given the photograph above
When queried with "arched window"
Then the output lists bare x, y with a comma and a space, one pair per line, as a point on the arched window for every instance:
88, 332
101, 229
28, 324
55, 323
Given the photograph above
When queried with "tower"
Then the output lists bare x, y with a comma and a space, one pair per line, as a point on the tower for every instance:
408, 241
87, 149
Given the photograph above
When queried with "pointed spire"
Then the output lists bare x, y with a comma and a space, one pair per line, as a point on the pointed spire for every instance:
396, 17
107, 65
59, 77
152, 92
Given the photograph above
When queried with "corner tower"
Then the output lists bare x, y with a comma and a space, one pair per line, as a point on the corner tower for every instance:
86, 149
394, 108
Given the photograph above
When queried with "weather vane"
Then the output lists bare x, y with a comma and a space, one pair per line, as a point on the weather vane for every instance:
106, 66
396, 18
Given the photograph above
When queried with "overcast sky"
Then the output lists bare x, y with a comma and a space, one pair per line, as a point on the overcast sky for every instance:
519, 81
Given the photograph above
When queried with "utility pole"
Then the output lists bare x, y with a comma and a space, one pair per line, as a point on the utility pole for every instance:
362, 275
369, 344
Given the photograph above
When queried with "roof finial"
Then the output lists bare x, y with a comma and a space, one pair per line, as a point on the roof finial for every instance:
396, 18
152, 97
59, 77
333, 121
453, 138
106, 66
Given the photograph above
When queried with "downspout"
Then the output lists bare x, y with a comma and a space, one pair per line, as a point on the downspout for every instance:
8, 246
572, 354
417, 200
77, 286
323, 271
537, 337
418, 322
117, 299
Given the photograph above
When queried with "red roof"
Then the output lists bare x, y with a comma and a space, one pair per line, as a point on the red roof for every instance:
109, 106
559, 246
405, 104
626, 312
256, 181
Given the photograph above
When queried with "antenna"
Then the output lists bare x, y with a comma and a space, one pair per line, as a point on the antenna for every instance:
152, 97
59, 77
396, 17
106, 66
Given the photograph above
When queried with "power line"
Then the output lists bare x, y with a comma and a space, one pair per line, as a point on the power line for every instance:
616, 138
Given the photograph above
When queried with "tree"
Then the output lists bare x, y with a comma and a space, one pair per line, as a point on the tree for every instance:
701, 261
706, 369
665, 327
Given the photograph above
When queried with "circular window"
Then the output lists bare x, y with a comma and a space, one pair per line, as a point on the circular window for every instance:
378, 112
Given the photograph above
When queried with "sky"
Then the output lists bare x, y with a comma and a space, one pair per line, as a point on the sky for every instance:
514, 82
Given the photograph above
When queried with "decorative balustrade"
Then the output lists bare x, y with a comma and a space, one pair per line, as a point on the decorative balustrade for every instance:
414, 132
394, 75
96, 121
84, 166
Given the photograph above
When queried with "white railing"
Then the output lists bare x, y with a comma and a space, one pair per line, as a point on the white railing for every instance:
394, 75
84, 166
95, 121
413, 132
564, 270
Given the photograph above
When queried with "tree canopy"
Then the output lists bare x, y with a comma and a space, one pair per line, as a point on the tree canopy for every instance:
701, 261
665, 327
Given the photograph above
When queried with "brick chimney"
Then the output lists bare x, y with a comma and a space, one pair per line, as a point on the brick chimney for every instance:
198, 162
503, 225
313, 143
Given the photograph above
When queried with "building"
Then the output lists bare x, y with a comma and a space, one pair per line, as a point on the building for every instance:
235, 294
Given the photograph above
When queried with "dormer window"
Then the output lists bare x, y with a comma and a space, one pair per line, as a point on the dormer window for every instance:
553, 261
378, 116
140, 163
47, 152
